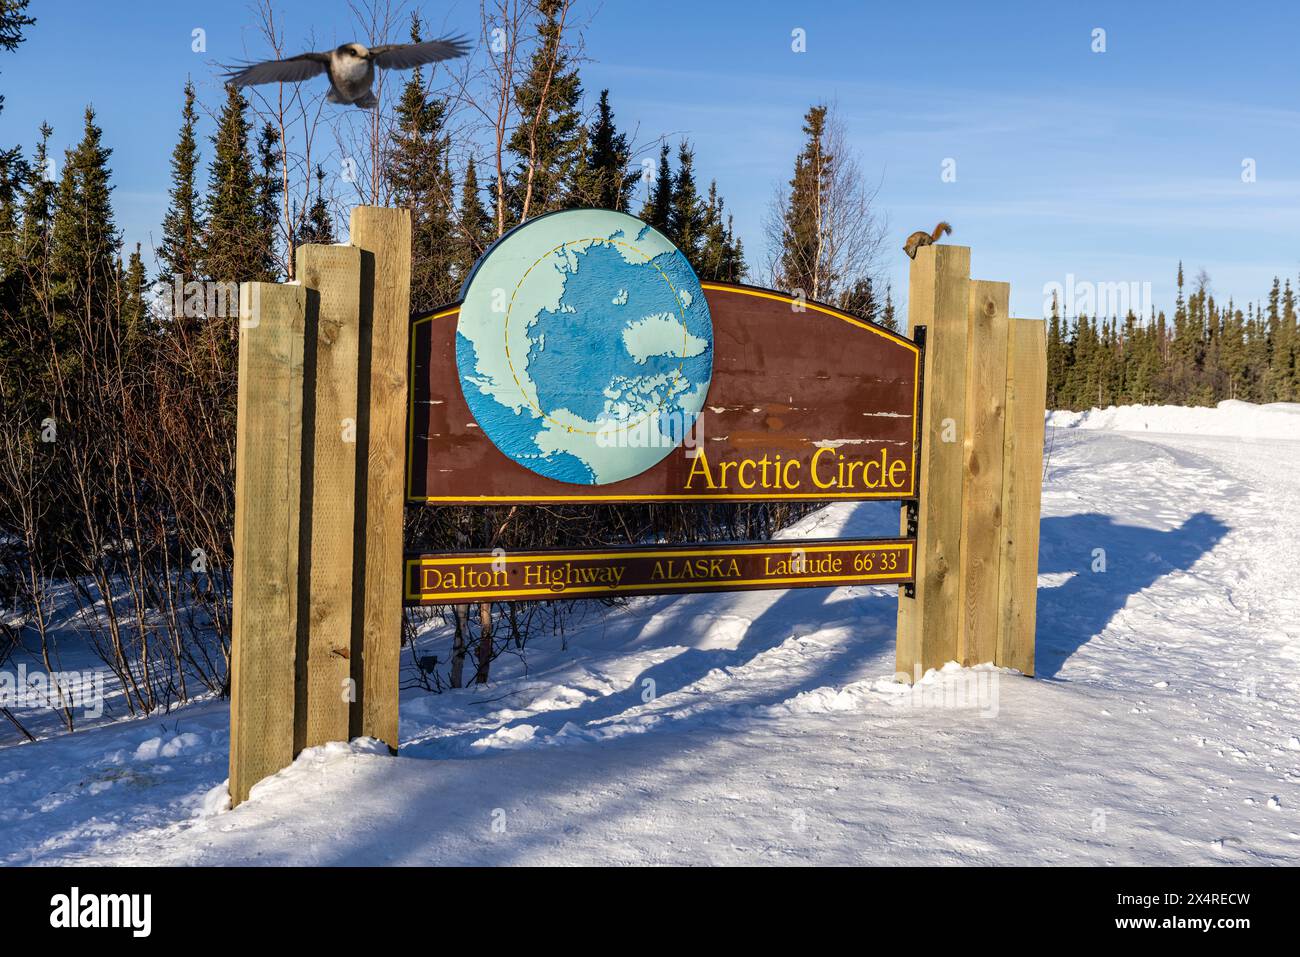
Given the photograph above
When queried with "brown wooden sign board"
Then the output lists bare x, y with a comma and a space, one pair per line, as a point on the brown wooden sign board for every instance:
805, 403
466, 577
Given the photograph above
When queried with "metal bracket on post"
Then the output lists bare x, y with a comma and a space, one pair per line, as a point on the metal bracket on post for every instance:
913, 521
918, 336
912, 506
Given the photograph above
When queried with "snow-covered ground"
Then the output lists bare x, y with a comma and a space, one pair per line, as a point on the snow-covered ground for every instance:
765, 727
1231, 418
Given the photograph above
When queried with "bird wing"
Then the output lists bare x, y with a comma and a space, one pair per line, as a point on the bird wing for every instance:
296, 68
404, 56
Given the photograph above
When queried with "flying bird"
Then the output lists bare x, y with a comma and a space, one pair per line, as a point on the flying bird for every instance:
351, 67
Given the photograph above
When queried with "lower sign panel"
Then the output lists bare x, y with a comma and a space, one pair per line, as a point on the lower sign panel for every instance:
449, 579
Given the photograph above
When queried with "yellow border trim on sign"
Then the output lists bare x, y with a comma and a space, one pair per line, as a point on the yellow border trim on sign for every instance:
815, 306
414, 564
677, 496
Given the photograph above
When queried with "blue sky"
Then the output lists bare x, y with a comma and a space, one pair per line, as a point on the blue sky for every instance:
1108, 166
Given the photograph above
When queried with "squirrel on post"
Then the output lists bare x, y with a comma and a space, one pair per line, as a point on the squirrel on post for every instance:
922, 238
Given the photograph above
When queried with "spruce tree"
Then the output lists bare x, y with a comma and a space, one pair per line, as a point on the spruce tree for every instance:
13, 179
1149, 362
474, 227
134, 307
601, 179
38, 206
420, 178
548, 138
269, 185
1233, 353
660, 198
1281, 332
1285, 349
1273, 373
860, 299
802, 263
1124, 343
1055, 355
734, 268
713, 248
686, 212
318, 224
1256, 355
887, 317
14, 174
234, 242
13, 18
13, 168
1181, 369
182, 226
83, 237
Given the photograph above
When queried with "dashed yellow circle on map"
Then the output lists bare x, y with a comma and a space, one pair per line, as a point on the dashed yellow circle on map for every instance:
584, 346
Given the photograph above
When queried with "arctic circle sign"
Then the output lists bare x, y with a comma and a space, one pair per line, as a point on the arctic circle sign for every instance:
584, 346
791, 400
586, 362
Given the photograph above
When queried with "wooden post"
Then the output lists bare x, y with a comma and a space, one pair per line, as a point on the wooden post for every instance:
384, 238
981, 518
332, 277
939, 299
265, 592
1022, 486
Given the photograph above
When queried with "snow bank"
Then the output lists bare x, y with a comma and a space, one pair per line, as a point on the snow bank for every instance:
759, 727
1277, 420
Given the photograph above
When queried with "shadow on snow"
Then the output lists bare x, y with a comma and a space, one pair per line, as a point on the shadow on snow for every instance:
1071, 615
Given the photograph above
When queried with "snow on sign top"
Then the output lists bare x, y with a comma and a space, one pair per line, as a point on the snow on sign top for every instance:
587, 362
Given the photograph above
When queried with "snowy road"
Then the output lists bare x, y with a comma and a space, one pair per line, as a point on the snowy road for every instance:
1163, 728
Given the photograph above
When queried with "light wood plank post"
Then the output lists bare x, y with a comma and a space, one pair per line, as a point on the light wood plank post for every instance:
384, 238
939, 299
981, 519
332, 278
1022, 486
268, 436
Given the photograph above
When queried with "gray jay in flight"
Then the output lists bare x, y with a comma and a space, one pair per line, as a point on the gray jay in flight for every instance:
351, 67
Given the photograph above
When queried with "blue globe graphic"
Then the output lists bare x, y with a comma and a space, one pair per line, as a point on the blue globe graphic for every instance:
584, 346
